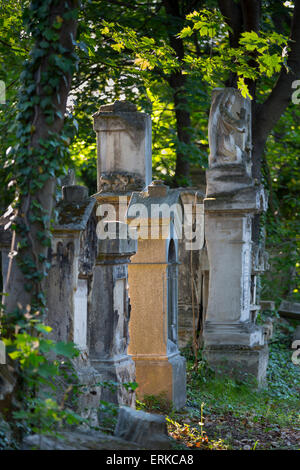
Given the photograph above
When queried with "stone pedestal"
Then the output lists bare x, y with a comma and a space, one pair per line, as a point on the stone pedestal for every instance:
109, 316
232, 340
153, 295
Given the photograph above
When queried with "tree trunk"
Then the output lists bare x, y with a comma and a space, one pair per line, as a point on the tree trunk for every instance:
183, 124
18, 295
178, 10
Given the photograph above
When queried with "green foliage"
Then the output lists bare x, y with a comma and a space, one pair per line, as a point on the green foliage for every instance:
222, 59
281, 172
41, 363
14, 46
106, 74
46, 67
108, 411
148, 52
268, 49
156, 403
46, 416
35, 158
278, 403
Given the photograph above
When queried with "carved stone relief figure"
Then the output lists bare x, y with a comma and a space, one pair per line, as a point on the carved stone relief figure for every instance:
229, 128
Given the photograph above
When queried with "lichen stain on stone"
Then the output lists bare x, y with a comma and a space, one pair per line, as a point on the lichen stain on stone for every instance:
71, 213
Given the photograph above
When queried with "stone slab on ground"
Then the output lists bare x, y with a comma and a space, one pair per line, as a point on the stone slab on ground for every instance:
75, 440
289, 310
296, 336
147, 429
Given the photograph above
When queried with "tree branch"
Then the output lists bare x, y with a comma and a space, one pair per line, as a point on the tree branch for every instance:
232, 12
267, 114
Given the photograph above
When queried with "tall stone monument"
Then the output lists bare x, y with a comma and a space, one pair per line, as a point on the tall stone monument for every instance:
153, 288
68, 284
232, 340
110, 313
124, 165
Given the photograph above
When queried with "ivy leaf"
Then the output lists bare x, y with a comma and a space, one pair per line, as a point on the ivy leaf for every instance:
66, 349
243, 88
43, 328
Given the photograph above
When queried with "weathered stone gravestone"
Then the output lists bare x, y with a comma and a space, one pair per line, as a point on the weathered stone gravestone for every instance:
87, 298
146, 429
153, 288
110, 314
193, 270
124, 147
68, 285
231, 337
123, 155
123, 165
73, 256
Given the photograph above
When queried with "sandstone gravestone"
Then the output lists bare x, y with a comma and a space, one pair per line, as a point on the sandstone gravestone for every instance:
153, 288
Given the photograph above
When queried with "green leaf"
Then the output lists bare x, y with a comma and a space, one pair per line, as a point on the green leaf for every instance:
68, 350
185, 32
43, 328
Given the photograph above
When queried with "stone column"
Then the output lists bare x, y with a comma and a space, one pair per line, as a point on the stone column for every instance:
74, 211
160, 369
232, 340
109, 317
124, 165
67, 284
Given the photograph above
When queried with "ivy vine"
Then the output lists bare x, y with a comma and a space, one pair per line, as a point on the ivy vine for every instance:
38, 158
36, 161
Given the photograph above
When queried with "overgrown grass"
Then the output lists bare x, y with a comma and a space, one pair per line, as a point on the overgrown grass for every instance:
278, 402
236, 410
